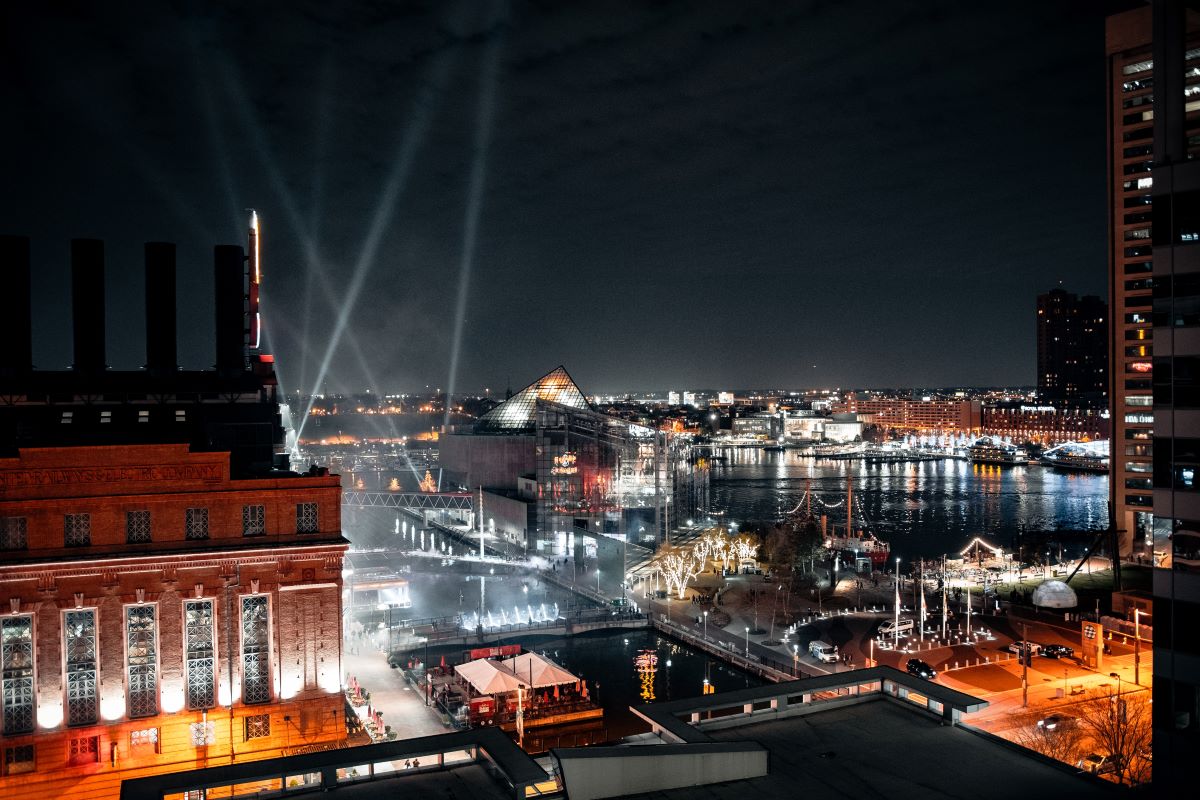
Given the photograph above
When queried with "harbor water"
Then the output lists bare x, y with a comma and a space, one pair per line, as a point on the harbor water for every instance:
923, 509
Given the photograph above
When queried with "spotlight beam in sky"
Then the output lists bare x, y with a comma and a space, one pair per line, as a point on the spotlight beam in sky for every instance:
410, 143
488, 71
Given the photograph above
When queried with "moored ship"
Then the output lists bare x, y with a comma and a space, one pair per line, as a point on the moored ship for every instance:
1078, 457
993, 451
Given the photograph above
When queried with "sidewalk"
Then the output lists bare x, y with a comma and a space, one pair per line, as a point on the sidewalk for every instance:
402, 707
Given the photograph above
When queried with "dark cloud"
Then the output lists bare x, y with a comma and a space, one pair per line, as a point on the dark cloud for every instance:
677, 193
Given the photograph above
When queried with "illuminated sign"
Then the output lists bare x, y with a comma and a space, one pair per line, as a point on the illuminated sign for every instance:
564, 465
1140, 366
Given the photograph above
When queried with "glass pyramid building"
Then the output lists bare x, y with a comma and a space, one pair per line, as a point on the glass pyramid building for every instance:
517, 413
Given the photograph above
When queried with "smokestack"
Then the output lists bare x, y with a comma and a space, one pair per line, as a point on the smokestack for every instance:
161, 336
229, 272
87, 304
16, 318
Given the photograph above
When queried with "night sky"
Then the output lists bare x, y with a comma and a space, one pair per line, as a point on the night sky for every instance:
659, 195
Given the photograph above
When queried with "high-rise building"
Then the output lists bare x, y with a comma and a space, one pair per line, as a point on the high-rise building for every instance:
1173, 67
173, 589
1131, 95
1072, 348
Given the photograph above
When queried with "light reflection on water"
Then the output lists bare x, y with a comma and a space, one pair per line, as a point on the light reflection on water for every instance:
921, 508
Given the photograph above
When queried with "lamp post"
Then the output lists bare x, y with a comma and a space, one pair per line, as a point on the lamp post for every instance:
747, 642
1120, 726
1137, 647
597, 580
896, 631
796, 661
706, 626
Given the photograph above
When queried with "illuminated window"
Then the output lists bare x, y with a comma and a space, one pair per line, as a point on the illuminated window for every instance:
141, 654
254, 520
137, 527
258, 726
105, 417
180, 415
306, 518
77, 530
146, 738
256, 655
79, 638
195, 523
13, 533
199, 657
84, 750
143, 416
18, 759
16, 658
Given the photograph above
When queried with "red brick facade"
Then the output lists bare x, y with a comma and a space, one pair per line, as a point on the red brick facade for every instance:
52, 577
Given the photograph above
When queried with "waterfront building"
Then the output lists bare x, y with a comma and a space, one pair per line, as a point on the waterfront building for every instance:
591, 473
1131, 95
924, 416
1072, 349
757, 426
173, 589
1173, 66
1045, 424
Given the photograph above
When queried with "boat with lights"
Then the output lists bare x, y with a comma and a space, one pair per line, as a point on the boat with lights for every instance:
993, 451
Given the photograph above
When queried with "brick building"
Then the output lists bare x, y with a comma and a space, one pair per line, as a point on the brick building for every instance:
1047, 425
171, 589
914, 415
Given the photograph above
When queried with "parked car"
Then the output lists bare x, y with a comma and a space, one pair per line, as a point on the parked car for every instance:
922, 670
1098, 764
1057, 651
1056, 722
1019, 647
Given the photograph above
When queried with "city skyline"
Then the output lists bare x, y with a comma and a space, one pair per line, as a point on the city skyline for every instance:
689, 183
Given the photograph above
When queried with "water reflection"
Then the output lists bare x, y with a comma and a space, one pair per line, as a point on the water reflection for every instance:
922, 508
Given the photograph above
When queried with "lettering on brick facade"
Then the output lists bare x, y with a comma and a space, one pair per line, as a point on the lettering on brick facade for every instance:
24, 479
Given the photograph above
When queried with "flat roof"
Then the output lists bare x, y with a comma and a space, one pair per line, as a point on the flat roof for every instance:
881, 749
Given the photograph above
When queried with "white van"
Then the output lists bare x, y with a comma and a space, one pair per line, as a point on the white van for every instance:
823, 651
892, 628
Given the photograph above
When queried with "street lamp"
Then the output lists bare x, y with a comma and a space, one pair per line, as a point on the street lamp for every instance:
747, 642
706, 626
896, 632
795, 661
597, 580
1137, 647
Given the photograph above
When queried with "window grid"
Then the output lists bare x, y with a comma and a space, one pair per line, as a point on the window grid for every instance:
258, 726
256, 656
16, 659
13, 533
254, 520
18, 759
137, 527
306, 518
142, 656
195, 523
77, 530
80, 638
84, 750
199, 655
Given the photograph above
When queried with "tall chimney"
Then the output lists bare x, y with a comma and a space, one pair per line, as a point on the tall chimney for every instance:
230, 272
87, 304
16, 318
161, 336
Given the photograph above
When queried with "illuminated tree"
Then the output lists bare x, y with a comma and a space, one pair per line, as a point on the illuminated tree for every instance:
677, 570
745, 549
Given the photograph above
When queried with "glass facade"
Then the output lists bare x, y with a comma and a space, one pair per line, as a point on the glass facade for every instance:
137, 527
16, 659
141, 655
79, 640
199, 654
256, 650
